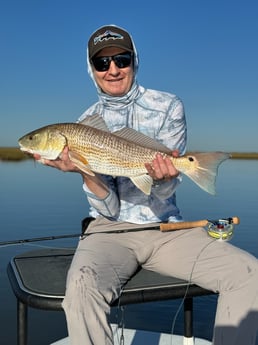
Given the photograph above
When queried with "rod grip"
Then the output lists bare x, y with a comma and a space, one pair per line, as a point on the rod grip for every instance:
183, 225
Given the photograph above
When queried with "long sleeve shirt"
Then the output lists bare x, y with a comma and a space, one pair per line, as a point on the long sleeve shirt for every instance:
159, 115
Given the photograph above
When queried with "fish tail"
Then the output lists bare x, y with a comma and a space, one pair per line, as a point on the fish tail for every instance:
205, 169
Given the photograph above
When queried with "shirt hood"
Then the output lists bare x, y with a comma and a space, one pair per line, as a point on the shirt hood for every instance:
136, 64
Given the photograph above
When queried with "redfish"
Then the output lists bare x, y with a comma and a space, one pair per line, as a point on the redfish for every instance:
94, 149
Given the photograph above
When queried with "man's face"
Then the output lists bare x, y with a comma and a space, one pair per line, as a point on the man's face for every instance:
115, 81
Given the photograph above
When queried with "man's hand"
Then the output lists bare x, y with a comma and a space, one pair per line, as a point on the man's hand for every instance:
162, 168
94, 183
62, 163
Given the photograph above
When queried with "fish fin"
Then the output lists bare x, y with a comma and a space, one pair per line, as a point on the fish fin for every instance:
81, 163
126, 133
205, 169
143, 182
141, 139
95, 121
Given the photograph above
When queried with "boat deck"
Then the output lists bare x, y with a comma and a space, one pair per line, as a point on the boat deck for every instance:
38, 280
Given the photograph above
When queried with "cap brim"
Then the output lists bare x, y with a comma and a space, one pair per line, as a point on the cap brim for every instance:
110, 46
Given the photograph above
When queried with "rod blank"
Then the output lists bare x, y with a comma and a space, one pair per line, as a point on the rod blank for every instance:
37, 239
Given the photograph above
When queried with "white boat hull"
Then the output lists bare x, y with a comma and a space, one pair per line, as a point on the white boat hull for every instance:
139, 337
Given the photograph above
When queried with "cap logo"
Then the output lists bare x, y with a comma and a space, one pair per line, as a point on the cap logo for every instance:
107, 36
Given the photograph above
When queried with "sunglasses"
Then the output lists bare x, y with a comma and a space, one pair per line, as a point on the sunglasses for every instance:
102, 63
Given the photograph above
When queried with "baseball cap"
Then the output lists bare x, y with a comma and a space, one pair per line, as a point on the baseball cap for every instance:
109, 36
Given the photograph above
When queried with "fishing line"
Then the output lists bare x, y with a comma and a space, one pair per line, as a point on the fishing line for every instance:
121, 320
120, 324
187, 288
121, 338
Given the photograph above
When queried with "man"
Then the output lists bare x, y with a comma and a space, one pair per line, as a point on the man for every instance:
105, 260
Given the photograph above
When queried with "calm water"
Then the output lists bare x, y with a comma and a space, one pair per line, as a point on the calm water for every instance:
39, 201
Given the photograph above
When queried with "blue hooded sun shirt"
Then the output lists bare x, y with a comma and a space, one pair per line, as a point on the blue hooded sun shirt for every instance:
159, 115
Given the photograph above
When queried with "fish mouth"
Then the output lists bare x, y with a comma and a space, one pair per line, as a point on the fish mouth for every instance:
22, 148
26, 150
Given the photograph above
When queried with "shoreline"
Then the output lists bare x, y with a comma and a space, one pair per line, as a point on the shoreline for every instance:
15, 154
12, 154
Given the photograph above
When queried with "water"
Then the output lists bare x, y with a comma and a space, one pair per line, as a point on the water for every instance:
39, 201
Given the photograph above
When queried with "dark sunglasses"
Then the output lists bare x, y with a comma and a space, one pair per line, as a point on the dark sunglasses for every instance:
102, 63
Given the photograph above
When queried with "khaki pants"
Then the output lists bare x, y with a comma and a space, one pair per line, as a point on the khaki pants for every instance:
105, 261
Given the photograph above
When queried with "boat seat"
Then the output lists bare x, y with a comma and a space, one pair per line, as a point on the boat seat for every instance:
27, 273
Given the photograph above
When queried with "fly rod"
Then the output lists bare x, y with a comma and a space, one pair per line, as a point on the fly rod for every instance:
162, 227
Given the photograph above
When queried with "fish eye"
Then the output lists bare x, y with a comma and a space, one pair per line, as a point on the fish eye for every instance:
191, 159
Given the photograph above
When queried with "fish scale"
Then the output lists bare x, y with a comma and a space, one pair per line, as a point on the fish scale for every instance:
109, 154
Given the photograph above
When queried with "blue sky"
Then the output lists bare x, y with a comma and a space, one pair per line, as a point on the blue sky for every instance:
204, 51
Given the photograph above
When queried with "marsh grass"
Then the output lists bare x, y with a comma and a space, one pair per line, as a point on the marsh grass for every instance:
12, 154
15, 154
244, 155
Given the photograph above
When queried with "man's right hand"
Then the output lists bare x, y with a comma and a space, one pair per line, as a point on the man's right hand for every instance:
63, 163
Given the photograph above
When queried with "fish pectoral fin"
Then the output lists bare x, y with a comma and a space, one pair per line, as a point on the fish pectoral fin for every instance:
81, 162
143, 182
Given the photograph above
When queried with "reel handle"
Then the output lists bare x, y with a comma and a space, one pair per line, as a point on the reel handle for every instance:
194, 224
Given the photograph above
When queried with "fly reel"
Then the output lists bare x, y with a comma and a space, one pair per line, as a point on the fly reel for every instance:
222, 229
